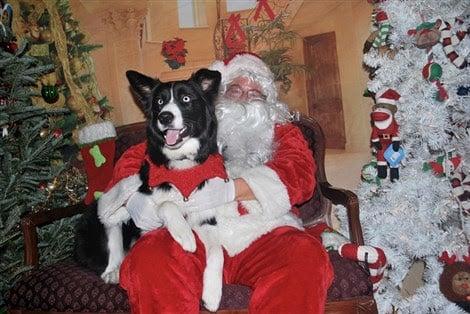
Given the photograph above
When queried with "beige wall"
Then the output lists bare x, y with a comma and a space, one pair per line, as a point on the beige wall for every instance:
350, 21
132, 31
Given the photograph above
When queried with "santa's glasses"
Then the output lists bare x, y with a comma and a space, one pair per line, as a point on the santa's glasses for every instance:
237, 92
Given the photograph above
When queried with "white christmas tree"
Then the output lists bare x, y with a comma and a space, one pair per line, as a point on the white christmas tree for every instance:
418, 217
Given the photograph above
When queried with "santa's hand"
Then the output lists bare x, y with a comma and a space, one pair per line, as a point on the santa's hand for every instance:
216, 192
143, 212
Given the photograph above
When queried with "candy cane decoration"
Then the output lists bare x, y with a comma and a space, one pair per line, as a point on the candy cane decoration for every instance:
373, 256
450, 40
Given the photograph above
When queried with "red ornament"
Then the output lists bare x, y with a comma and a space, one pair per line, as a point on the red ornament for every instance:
57, 133
10, 47
42, 185
235, 38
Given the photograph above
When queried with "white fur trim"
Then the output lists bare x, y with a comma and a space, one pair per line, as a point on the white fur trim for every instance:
116, 197
96, 132
269, 191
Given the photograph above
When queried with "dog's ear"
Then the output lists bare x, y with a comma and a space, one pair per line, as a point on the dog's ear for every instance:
208, 80
141, 84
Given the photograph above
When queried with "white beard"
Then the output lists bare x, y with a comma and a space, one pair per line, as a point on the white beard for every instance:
246, 132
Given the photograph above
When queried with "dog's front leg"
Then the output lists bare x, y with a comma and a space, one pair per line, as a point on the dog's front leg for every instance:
116, 253
212, 280
177, 225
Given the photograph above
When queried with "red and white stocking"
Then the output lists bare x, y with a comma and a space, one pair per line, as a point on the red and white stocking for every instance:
373, 256
97, 142
449, 41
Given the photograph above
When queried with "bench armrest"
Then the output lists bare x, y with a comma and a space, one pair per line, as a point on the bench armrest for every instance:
31, 221
349, 200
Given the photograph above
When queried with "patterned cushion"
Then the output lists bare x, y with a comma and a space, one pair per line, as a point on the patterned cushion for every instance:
65, 286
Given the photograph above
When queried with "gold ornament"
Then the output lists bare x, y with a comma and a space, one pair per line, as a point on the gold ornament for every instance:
44, 132
45, 35
51, 186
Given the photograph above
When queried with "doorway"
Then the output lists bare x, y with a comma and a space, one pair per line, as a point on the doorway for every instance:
324, 87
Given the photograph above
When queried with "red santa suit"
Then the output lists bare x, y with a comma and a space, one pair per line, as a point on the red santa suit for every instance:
385, 137
264, 244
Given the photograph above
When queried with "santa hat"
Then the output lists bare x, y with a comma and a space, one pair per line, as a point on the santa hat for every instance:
387, 99
248, 65
381, 17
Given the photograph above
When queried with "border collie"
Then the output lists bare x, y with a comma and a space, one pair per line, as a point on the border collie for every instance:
181, 134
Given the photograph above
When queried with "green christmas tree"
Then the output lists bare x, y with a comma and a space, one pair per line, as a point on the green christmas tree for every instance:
34, 143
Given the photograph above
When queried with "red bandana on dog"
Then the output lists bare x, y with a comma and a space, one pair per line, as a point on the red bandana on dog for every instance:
185, 180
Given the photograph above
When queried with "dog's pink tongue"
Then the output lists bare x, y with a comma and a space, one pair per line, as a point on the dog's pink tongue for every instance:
171, 137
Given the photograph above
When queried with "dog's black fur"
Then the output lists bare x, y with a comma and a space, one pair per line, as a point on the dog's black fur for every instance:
199, 121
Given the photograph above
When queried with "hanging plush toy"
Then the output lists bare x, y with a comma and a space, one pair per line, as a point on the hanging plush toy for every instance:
432, 72
384, 29
385, 136
426, 35
454, 281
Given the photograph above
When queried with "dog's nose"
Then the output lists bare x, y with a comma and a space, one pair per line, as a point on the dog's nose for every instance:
165, 117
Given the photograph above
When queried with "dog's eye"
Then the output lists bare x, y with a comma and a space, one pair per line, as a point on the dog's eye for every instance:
160, 101
186, 99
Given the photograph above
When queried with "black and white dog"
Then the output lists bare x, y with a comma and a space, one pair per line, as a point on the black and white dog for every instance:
181, 134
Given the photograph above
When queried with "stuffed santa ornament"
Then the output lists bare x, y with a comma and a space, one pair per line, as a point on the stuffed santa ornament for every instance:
385, 131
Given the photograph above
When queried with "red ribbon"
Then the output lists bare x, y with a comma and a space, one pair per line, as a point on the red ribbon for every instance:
235, 38
264, 4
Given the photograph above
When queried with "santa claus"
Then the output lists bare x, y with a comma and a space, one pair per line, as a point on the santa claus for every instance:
265, 246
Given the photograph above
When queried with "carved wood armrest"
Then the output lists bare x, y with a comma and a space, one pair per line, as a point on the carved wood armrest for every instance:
31, 221
349, 200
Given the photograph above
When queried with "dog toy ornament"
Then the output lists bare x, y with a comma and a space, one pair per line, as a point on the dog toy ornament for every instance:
385, 134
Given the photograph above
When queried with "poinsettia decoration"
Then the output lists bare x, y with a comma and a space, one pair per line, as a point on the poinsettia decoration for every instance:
174, 52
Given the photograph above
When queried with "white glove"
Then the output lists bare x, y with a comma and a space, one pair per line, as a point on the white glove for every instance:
216, 192
143, 212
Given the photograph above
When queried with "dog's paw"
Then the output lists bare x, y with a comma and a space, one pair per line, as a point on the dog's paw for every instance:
211, 296
111, 276
184, 236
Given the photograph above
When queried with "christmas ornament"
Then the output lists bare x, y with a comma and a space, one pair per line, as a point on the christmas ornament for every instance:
235, 37
369, 173
44, 132
97, 143
385, 131
450, 40
427, 34
263, 4
50, 93
4, 130
432, 72
461, 189
374, 257
57, 133
45, 35
51, 186
454, 282
10, 47
384, 29
463, 90
174, 52
443, 165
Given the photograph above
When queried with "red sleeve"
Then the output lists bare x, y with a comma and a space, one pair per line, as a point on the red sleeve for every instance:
128, 164
293, 162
